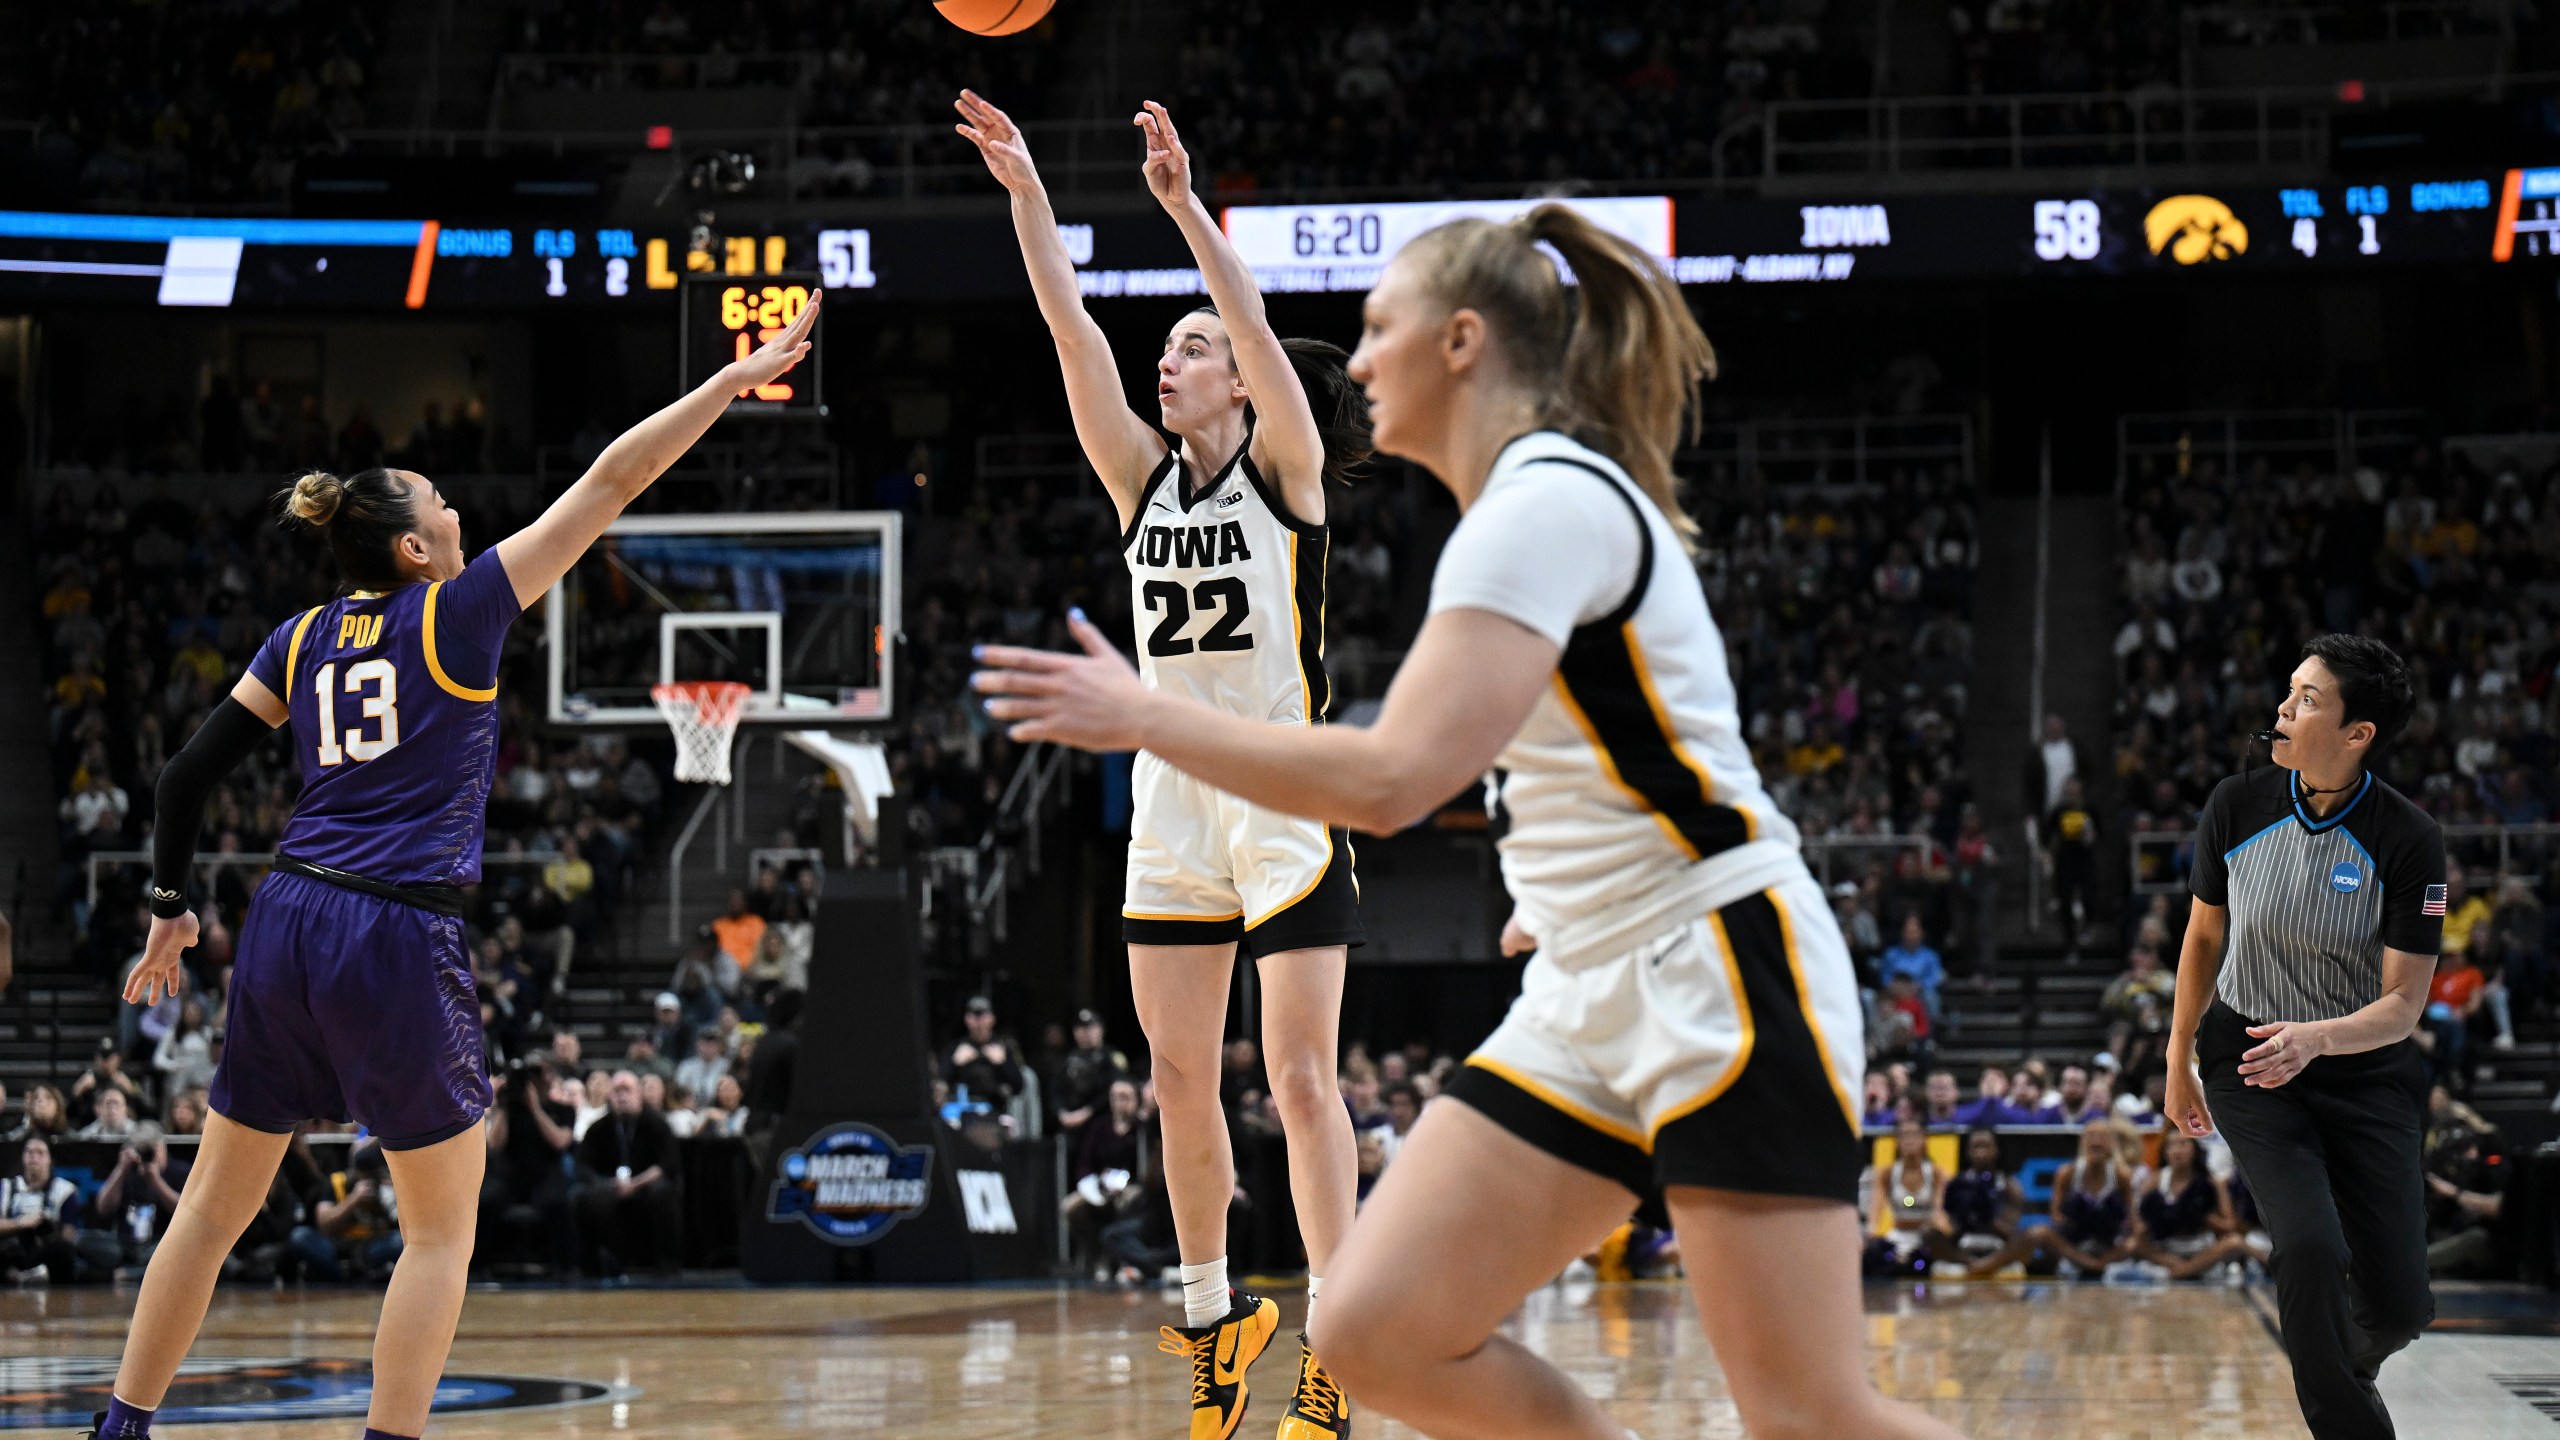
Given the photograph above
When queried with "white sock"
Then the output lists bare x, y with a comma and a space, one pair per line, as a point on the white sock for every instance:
1315, 1287
1204, 1293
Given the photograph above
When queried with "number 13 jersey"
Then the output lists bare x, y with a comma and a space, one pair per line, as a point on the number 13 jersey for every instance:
391, 698
1227, 592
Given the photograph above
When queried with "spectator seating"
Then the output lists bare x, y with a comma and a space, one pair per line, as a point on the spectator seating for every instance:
194, 105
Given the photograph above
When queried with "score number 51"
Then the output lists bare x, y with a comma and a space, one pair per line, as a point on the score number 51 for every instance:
2067, 229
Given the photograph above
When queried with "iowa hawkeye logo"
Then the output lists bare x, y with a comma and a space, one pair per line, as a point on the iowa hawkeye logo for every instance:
1191, 547
61, 1392
2192, 229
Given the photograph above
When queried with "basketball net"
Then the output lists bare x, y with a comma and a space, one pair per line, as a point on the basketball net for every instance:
704, 715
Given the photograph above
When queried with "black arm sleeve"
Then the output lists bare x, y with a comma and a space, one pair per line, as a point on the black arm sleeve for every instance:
214, 751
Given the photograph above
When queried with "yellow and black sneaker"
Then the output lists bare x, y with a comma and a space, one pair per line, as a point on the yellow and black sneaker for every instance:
1219, 1354
1317, 1411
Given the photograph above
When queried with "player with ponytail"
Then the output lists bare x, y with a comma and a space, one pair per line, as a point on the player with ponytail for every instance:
1689, 1022
352, 996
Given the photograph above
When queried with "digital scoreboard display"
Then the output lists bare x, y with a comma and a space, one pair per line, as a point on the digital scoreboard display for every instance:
1344, 247
726, 319
2480, 219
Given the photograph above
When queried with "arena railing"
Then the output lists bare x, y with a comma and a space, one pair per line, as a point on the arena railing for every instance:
1833, 452
2335, 441
2534, 842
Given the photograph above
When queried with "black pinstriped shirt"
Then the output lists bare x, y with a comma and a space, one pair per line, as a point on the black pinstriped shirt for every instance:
2315, 900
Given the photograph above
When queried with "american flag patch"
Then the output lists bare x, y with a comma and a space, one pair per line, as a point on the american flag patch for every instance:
2434, 903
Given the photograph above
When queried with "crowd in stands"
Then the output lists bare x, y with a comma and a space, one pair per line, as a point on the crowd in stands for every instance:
1422, 97
1079, 1088
2458, 569
585, 1172
1847, 622
867, 63
2139, 1202
196, 104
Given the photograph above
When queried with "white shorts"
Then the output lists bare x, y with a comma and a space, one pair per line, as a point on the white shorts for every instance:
1726, 1052
1206, 868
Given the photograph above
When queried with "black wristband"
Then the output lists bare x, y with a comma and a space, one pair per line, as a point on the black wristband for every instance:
167, 904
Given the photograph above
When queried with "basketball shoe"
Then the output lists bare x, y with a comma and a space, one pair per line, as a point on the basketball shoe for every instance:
1317, 1411
1219, 1354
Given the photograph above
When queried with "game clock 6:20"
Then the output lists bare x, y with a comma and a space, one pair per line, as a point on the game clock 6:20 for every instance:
727, 318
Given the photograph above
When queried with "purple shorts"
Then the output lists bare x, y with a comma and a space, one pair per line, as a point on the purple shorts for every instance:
349, 1006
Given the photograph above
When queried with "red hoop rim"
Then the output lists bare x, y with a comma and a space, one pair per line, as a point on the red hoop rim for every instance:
714, 701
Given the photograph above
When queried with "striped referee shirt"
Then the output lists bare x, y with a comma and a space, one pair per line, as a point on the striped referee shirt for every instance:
2314, 901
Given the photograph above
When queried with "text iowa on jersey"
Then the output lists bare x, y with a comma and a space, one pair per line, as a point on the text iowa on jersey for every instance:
1184, 547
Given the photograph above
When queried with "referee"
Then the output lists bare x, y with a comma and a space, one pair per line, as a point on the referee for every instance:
2329, 887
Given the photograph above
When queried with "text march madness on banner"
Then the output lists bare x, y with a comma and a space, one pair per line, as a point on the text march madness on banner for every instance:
851, 1183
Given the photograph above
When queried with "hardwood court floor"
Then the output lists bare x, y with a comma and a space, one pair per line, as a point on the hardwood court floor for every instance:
1996, 1360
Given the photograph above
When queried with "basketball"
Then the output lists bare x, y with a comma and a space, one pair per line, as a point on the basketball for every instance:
994, 17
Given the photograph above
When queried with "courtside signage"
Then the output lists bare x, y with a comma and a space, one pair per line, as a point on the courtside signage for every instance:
850, 1184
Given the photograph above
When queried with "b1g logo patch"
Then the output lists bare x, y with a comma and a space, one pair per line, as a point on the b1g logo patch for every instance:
61, 1392
2346, 879
851, 1183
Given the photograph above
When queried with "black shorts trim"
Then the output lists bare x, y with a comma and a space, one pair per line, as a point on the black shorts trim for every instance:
1150, 930
1777, 1127
435, 899
1552, 1130
1327, 914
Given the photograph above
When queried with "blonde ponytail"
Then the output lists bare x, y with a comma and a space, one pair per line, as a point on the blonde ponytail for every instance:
314, 498
1618, 370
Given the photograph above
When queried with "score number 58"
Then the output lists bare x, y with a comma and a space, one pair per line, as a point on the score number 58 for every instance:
2066, 229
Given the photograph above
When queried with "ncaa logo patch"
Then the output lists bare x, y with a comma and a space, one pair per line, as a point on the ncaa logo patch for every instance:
2346, 879
850, 1183
61, 1392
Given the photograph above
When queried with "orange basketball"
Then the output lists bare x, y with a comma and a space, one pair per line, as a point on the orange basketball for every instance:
994, 17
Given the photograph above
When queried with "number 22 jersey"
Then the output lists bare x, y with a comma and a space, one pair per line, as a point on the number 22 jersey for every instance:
391, 698
1227, 591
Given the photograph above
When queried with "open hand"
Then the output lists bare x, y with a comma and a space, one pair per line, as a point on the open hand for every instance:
999, 143
2290, 1045
1168, 165
779, 353
1094, 701
157, 975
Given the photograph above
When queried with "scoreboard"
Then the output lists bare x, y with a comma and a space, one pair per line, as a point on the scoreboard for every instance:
2477, 219
726, 318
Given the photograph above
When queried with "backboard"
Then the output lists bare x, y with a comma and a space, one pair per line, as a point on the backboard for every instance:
801, 608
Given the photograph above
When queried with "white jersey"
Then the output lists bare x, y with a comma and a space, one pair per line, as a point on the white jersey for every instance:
1628, 800
1227, 591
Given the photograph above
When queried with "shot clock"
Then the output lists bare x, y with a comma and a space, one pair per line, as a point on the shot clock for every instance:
725, 318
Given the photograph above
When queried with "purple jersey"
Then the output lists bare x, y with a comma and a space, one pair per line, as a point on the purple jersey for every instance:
392, 699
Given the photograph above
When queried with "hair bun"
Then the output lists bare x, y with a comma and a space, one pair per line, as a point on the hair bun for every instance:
315, 498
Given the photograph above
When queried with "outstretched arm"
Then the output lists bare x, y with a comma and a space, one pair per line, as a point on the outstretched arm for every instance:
1459, 697
539, 554
1120, 446
1285, 439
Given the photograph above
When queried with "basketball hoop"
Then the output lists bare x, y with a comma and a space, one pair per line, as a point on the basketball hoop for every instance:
704, 715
